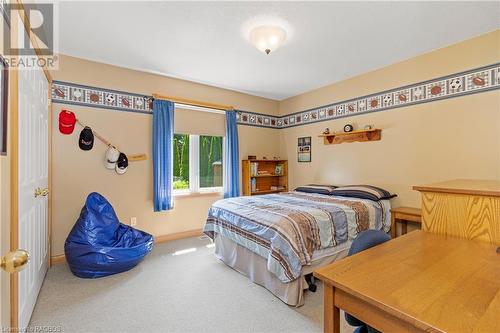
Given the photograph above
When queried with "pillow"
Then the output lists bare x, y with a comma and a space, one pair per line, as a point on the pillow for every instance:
363, 192
319, 189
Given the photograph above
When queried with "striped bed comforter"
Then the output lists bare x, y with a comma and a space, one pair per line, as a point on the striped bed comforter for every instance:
287, 228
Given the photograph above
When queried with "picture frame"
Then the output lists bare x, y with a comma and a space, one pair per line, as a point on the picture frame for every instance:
278, 170
304, 149
4, 95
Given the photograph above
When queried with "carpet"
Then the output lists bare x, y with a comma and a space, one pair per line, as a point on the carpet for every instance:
190, 291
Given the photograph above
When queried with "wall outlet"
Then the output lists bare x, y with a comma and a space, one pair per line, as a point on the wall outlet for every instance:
133, 221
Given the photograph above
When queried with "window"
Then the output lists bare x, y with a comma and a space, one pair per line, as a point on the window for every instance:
181, 161
198, 163
210, 161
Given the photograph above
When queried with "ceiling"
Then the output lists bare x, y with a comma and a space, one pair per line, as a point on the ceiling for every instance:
205, 41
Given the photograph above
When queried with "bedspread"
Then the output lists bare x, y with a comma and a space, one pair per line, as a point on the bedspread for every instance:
287, 228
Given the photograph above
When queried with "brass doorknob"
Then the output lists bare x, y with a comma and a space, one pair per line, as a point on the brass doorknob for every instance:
41, 192
15, 261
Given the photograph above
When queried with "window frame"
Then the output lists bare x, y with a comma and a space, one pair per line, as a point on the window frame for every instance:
194, 169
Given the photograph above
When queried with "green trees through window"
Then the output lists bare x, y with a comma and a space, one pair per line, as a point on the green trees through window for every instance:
208, 160
181, 161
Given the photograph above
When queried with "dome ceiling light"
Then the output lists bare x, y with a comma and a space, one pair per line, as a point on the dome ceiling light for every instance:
267, 38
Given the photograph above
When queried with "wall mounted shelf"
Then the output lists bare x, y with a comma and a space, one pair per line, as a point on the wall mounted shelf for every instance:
354, 136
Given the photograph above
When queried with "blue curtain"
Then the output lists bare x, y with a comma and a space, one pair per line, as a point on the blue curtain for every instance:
163, 137
232, 161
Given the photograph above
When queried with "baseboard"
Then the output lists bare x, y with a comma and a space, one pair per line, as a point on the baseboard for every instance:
60, 259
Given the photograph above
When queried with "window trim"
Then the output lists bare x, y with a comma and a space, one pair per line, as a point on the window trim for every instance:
194, 169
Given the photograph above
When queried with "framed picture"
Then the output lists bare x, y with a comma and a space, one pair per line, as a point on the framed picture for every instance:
278, 170
4, 93
304, 149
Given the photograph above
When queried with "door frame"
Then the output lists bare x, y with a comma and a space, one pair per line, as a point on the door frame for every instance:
13, 138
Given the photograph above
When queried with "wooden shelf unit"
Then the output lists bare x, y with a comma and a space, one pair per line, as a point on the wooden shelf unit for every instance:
360, 136
266, 180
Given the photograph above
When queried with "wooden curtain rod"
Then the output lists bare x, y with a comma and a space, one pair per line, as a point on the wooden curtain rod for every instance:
193, 103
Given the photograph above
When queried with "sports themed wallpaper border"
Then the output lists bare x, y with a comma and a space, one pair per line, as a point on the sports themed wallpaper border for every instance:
77, 94
464, 83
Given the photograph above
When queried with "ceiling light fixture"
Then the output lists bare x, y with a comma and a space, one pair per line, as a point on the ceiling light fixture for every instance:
267, 38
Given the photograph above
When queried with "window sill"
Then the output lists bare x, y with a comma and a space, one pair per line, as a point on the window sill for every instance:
197, 194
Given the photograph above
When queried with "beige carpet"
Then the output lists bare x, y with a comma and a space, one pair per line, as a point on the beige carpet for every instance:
192, 292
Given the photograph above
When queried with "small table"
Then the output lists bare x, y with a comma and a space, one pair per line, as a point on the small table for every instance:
420, 282
404, 215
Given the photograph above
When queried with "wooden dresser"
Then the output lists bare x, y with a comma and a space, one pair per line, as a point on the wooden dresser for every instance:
464, 208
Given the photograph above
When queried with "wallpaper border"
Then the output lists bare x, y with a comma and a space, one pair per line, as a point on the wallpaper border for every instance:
449, 86
83, 95
78, 94
468, 82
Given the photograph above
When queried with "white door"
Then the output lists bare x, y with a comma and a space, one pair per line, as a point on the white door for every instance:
33, 186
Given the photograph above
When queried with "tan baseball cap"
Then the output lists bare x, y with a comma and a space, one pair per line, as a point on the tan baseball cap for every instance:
112, 155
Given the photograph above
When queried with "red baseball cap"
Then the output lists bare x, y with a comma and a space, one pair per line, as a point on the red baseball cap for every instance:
67, 120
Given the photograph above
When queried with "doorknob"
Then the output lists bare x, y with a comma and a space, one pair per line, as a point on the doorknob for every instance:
15, 261
41, 192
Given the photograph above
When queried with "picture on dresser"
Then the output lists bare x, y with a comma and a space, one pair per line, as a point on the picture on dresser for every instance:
304, 149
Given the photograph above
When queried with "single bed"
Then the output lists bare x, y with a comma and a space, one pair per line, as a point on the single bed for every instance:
277, 239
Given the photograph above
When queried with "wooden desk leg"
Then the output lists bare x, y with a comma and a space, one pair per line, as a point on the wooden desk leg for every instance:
331, 312
404, 227
393, 226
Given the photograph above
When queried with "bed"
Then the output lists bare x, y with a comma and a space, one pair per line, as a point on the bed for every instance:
277, 239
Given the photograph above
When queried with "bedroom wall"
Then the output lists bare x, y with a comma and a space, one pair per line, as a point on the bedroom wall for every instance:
77, 173
447, 139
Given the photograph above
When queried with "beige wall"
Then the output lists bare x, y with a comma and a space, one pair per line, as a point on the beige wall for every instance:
96, 74
453, 138
76, 173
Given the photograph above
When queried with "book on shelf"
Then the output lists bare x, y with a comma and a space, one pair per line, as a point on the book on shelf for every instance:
254, 168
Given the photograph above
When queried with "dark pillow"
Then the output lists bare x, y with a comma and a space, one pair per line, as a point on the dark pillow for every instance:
363, 192
319, 189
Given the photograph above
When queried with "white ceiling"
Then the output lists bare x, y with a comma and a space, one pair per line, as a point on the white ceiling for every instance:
205, 42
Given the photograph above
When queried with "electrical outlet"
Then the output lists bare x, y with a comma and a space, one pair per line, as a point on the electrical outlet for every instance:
133, 221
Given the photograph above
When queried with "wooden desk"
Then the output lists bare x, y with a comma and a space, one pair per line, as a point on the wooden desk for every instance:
403, 215
419, 282
466, 208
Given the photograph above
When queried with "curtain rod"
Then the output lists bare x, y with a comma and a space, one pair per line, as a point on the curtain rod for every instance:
193, 103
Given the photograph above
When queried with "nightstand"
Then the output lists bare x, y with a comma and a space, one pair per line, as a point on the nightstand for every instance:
404, 215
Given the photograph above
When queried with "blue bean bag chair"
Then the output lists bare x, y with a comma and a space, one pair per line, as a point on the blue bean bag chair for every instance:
99, 245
